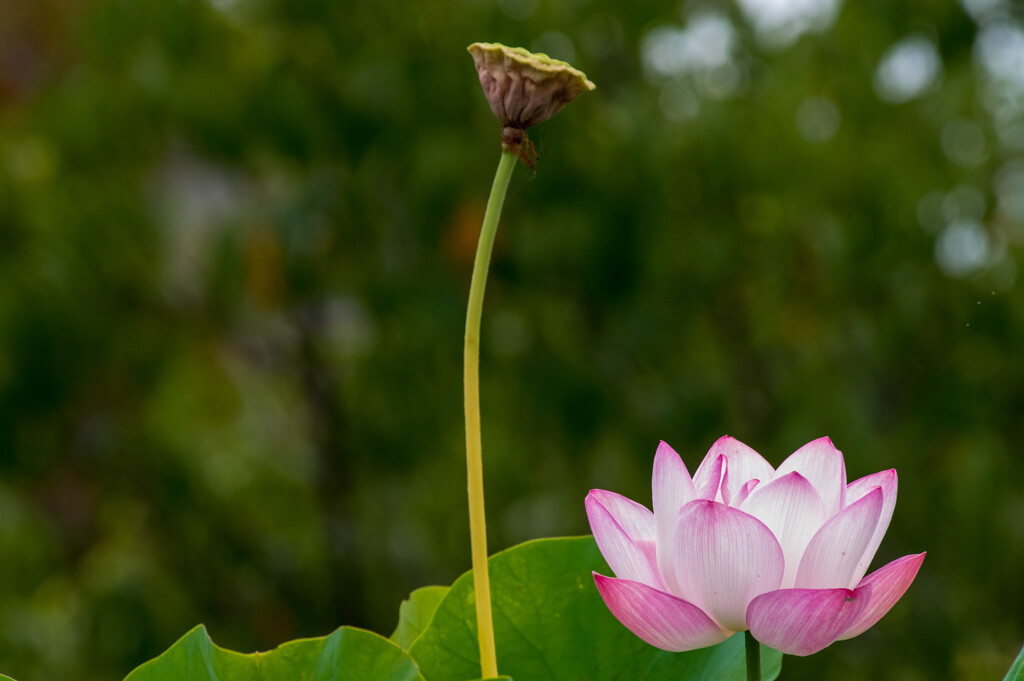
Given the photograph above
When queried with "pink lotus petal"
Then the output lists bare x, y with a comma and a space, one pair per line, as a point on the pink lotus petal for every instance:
635, 519
887, 480
803, 621
723, 558
822, 464
708, 478
671, 489
659, 618
832, 556
744, 464
792, 510
744, 492
888, 584
624, 531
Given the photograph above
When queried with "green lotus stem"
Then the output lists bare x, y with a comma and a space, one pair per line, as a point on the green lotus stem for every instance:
474, 447
753, 657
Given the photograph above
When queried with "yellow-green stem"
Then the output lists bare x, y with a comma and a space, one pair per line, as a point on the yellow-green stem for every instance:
474, 448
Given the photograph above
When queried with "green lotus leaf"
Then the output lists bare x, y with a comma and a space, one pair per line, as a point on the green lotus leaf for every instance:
416, 612
551, 625
349, 654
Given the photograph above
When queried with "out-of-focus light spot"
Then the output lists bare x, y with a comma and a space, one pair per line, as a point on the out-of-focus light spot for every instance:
198, 195
720, 82
907, 70
704, 50
964, 142
601, 35
708, 42
962, 248
930, 212
195, 200
963, 203
555, 44
1009, 189
518, 9
999, 50
983, 10
817, 119
678, 102
778, 23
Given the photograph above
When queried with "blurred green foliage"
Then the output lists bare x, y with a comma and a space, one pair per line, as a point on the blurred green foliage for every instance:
235, 244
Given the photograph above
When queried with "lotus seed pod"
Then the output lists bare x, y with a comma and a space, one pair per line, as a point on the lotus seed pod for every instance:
524, 88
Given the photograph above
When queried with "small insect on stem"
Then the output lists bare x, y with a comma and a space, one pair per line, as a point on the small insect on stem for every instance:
517, 141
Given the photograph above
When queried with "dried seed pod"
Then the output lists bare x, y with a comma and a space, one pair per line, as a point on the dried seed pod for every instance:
524, 88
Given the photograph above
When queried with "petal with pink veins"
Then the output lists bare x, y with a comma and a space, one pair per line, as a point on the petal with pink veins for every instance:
888, 584
724, 558
624, 531
834, 552
671, 489
744, 492
803, 621
822, 464
743, 464
708, 478
659, 618
792, 510
887, 481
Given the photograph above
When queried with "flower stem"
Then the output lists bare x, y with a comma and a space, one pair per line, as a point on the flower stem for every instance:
474, 448
753, 657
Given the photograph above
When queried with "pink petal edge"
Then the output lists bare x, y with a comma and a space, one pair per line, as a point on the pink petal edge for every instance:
803, 621
671, 489
831, 558
624, 532
708, 478
888, 481
888, 584
742, 465
748, 487
820, 462
658, 618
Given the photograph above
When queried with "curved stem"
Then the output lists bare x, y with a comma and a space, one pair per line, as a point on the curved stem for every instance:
474, 449
753, 657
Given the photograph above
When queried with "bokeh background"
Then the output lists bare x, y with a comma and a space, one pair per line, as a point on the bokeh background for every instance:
235, 247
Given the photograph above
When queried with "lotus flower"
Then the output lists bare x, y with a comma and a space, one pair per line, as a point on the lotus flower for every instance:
741, 545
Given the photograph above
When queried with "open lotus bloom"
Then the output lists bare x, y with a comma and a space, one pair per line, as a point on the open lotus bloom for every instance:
741, 545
